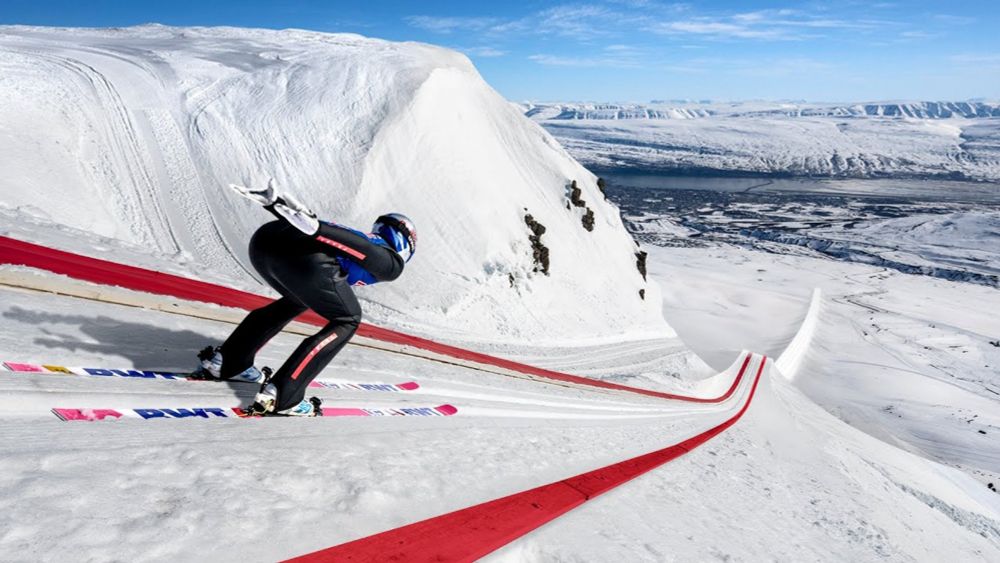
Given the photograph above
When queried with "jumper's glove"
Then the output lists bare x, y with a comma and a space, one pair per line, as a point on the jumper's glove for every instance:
284, 206
298, 215
260, 196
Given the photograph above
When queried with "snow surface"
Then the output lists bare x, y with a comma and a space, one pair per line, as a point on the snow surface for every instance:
788, 482
964, 241
921, 139
131, 134
904, 358
104, 127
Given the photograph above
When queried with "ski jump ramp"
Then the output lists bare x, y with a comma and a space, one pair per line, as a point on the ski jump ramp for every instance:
461, 535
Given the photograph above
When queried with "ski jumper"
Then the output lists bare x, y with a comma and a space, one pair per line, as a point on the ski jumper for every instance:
310, 272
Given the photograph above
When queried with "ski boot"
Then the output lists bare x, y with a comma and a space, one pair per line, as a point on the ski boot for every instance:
267, 397
211, 368
308, 407
263, 402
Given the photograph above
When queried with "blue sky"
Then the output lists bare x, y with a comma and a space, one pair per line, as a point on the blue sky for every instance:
638, 50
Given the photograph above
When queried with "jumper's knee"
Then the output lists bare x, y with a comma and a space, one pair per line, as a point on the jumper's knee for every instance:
349, 325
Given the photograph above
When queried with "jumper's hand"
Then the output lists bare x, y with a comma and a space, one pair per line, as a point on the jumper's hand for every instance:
261, 196
298, 215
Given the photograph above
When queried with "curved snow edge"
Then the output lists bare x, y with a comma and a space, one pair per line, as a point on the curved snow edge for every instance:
791, 358
473, 532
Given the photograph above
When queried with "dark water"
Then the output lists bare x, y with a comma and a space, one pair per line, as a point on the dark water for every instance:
797, 215
908, 189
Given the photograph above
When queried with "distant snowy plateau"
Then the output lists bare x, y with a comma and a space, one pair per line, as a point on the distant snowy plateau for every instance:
953, 140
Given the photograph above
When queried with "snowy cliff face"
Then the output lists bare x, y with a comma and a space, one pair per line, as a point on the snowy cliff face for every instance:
131, 134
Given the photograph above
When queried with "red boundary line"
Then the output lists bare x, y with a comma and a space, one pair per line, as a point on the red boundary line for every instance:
96, 270
473, 532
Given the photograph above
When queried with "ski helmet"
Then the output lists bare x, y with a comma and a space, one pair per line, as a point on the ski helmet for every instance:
397, 230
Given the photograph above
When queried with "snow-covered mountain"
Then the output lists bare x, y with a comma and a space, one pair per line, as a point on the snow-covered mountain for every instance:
958, 140
612, 111
131, 134
689, 110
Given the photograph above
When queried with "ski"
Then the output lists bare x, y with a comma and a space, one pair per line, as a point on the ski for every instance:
181, 376
359, 386
91, 414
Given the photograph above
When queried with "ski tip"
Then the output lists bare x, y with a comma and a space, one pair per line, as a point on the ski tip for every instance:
447, 410
86, 414
409, 386
22, 367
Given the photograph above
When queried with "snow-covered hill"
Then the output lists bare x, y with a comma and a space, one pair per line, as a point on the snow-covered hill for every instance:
916, 139
128, 135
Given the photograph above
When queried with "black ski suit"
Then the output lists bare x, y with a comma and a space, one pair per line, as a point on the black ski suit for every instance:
306, 272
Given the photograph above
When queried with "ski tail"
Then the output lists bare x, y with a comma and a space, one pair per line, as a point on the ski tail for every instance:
109, 372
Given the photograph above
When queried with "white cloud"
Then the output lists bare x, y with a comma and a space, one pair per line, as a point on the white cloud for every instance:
483, 51
653, 4
576, 21
616, 55
954, 20
610, 60
719, 29
770, 67
579, 21
449, 24
772, 25
918, 34
613, 20
762, 15
988, 60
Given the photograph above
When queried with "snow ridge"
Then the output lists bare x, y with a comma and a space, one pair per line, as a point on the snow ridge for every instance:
791, 358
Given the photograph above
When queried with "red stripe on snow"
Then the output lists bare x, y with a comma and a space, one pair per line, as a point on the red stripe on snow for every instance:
355, 253
95, 270
471, 533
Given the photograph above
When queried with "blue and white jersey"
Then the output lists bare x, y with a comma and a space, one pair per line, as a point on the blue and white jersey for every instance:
356, 274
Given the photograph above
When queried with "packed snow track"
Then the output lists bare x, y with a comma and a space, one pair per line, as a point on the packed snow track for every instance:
518, 452
532, 433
